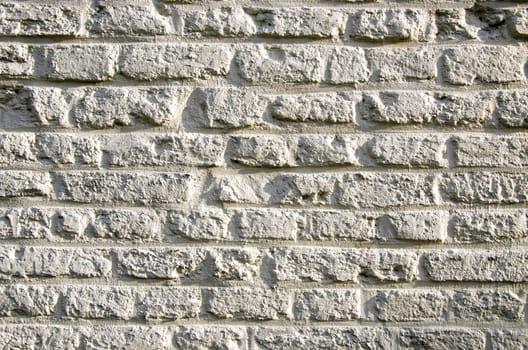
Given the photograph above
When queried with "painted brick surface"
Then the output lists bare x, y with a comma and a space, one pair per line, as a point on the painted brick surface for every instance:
246, 175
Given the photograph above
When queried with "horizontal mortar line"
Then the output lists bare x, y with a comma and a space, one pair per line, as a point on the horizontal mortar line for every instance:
284, 322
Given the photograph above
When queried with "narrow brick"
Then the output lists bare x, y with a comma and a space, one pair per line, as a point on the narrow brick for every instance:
217, 22
68, 149
174, 61
26, 223
210, 337
512, 110
323, 150
347, 65
408, 305
75, 62
326, 305
267, 224
123, 224
413, 226
344, 265
262, 151
402, 64
168, 303
235, 264
248, 303
280, 64
491, 151
495, 265
339, 226
16, 60
484, 305
454, 24
145, 188
202, 224
487, 64
127, 337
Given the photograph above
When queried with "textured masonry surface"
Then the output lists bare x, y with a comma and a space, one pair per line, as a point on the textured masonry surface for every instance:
249, 175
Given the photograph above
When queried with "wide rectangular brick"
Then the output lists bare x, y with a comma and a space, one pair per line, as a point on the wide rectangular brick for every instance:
344, 265
491, 151
413, 225
164, 150
484, 188
407, 305
26, 223
127, 337
380, 190
427, 108
488, 226
487, 305
339, 226
311, 22
496, 265
99, 302
36, 19
338, 338
267, 224
54, 262
390, 25
16, 61
248, 303
24, 184
28, 300
408, 150
441, 338
105, 187
174, 61
486, 64
217, 22
315, 107
168, 303
124, 18
120, 224
202, 224
34, 337
403, 64
261, 64
509, 339
210, 337
326, 304
90, 62
225, 108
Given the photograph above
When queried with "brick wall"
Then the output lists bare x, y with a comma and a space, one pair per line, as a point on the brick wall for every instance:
263, 174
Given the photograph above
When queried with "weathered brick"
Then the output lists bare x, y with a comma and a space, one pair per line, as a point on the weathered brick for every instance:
390, 25
226, 108
283, 189
508, 339
280, 64
15, 107
485, 305
319, 150
145, 188
262, 151
169, 303
24, 184
452, 24
414, 226
485, 226
35, 19
315, 107
164, 150
77, 62
339, 226
123, 18
408, 150
441, 338
54, 262
512, 108
26, 223
202, 224
127, 337
234, 264
68, 149
487, 64
403, 64
486, 188
219, 22
123, 224
71, 224
110, 107
408, 305
347, 65
476, 265
376, 190
267, 224
311, 22
338, 338
248, 303
491, 151
210, 337
344, 265
99, 302
326, 304
32, 337
519, 23
174, 61
16, 60
17, 149
28, 300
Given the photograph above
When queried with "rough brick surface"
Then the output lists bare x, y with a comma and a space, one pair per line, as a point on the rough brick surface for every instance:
248, 175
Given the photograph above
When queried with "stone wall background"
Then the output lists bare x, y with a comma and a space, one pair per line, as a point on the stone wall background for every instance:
263, 174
